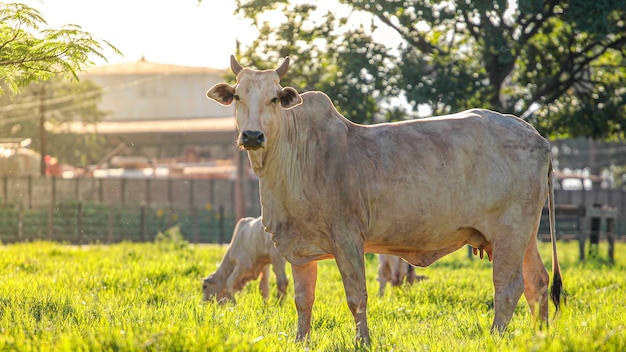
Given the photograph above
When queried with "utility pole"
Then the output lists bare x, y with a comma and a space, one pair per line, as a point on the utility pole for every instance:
42, 130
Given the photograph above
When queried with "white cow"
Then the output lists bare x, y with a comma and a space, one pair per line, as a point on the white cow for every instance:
395, 271
417, 189
249, 255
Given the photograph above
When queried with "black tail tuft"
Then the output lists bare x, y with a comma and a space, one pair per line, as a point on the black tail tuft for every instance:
556, 291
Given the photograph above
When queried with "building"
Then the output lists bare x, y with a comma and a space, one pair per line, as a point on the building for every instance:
160, 111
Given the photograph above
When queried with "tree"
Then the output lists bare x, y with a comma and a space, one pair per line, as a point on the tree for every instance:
29, 53
55, 102
353, 73
560, 64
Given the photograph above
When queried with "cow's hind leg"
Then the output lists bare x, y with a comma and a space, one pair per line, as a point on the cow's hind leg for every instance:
535, 281
507, 279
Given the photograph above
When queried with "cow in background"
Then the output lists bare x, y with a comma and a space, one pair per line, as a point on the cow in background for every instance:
395, 271
418, 189
249, 255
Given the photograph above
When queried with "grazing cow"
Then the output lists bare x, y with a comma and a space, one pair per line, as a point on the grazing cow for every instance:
417, 189
250, 253
394, 270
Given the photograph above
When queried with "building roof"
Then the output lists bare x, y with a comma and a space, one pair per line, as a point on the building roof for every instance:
213, 124
143, 66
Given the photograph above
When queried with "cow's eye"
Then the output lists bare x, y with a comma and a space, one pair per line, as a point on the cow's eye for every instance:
236, 97
274, 100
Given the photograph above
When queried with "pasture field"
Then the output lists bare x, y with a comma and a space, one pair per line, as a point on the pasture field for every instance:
147, 297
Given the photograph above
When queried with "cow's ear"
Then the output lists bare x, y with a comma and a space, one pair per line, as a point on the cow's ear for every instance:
222, 93
289, 98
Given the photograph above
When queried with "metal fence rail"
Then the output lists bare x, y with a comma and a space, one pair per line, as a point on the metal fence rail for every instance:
89, 210
83, 223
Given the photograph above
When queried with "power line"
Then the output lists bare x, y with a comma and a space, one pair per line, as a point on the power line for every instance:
68, 98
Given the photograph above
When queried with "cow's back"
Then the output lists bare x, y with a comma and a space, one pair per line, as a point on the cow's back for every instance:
250, 240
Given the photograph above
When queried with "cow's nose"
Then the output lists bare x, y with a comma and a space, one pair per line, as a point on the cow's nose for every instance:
252, 139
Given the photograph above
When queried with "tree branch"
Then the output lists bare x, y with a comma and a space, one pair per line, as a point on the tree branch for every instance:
417, 41
537, 21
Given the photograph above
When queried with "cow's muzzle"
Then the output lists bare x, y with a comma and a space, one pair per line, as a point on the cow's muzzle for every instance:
251, 139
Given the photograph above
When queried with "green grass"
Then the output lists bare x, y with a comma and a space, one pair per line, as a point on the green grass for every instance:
147, 297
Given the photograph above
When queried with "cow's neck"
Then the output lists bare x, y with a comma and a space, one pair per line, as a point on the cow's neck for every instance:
224, 270
281, 167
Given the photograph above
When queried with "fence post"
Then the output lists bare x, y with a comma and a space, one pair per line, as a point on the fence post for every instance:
53, 192
194, 222
80, 223
170, 202
192, 188
212, 191
148, 194
610, 237
100, 191
20, 222
221, 223
50, 226
110, 225
142, 223
30, 192
5, 189
123, 191
77, 195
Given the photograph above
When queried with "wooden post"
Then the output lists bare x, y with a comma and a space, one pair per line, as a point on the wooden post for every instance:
581, 244
30, 192
123, 191
53, 191
192, 189
20, 222
81, 230
170, 202
193, 210
110, 225
50, 227
142, 224
148, 194
42, 130
221, 223
610, 237
77, 195
212, 192
5, 189
621, 208
582, 234
100, 191
594, 237
194, 222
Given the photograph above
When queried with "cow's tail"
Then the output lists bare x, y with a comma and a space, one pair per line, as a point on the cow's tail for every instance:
556, 291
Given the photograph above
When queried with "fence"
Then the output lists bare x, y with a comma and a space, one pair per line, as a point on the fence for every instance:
87, 210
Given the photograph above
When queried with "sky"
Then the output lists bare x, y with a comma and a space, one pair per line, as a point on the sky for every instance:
180, 32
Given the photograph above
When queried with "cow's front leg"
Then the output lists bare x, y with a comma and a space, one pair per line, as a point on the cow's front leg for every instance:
304, 279
351, 264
